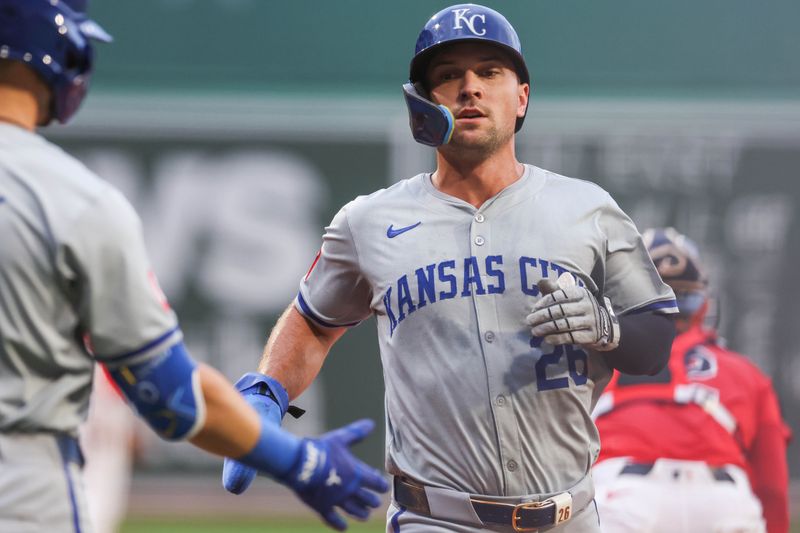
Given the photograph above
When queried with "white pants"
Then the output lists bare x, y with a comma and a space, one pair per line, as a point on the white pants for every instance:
675, 497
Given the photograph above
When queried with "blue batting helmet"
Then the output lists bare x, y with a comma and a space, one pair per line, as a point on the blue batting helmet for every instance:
432, 124
677, 260
54, 38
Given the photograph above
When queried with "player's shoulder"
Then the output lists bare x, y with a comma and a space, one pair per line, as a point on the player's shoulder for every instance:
555, 181
62, 185
740, 364
739, 360
399, 195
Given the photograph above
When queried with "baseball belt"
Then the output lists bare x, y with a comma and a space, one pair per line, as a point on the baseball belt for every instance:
524, 513
642, 469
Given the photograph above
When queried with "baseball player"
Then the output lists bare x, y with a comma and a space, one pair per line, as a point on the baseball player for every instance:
503, 293
76, 289
686, 449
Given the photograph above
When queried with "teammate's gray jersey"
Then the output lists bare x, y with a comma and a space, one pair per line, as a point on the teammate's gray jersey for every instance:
474, 403
73, 269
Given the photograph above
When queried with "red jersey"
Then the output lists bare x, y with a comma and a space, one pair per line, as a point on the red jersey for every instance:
709, 404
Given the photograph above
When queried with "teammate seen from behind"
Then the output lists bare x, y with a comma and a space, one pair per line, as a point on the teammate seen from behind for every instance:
496, 287
76, 289
700, 446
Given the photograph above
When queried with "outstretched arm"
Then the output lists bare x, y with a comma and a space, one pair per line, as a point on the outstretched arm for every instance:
181, 399
306, 466
296, 350
231, 427
766, 458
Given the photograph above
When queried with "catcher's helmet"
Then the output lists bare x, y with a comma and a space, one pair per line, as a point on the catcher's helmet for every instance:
432, 124
678, 262
53, 37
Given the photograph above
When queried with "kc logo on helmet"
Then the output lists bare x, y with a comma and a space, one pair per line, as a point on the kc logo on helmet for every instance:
461, 16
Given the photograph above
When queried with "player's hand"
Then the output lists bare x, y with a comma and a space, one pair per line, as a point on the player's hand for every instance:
326, 476
569, 314
236, 476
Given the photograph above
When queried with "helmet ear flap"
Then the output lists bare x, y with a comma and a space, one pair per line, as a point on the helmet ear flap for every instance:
431, 124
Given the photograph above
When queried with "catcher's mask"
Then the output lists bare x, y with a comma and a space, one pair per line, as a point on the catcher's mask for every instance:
432, 124
678, 262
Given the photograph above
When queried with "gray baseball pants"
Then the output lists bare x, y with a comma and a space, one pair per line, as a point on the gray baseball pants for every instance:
41, 488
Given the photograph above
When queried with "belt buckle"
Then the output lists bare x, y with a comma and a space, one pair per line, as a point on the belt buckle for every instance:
526, 505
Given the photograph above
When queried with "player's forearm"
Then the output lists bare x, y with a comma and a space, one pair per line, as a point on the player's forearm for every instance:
767, 460
645, 343
231, 426
296, 350
774, 502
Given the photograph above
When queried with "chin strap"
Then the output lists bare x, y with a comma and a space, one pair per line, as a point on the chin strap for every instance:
431, 124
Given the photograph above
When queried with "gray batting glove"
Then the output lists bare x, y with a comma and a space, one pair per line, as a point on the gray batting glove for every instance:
568, 314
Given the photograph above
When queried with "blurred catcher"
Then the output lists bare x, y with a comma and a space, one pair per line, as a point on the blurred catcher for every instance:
700, 446
76, 288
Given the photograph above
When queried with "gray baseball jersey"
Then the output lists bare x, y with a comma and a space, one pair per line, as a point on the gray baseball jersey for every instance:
73, 269
473, 402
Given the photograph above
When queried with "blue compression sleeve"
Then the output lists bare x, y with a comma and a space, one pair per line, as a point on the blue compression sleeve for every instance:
645, 343
275, 452
166, 392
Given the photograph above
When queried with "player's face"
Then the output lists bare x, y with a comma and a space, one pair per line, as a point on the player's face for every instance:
478, 83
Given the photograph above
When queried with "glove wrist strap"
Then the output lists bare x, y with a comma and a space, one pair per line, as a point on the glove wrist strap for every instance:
610, 334
257, 383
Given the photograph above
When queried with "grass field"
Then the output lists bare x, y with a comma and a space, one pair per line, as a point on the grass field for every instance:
233, 525
260, 526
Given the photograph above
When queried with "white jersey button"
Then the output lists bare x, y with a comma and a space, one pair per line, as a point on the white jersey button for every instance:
512, 465
479, 240
501, 400
489, 336
479, 217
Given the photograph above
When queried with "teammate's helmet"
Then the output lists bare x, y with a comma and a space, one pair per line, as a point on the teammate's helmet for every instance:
53, 37
678, 262
432, 124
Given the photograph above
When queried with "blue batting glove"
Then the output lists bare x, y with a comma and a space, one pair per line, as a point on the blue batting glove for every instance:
270, 400
326, 475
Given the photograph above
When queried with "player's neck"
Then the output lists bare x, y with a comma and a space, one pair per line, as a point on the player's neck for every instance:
476, 181
18, 107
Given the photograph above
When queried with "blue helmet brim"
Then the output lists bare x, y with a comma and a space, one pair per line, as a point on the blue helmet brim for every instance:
93, 30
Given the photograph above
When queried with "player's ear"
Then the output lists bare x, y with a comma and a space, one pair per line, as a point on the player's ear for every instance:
523, 92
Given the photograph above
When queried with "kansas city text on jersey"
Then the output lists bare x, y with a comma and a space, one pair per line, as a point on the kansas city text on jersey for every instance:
465, 278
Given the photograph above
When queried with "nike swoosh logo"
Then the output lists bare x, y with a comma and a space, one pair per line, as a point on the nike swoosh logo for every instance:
392, 233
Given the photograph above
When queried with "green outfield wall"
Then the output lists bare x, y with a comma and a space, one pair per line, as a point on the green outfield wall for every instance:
628, 48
